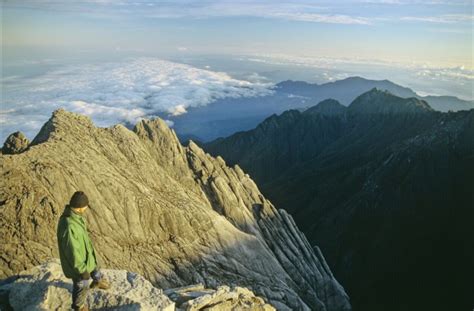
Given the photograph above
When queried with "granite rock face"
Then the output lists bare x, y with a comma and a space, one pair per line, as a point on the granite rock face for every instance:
173, 214
15, 143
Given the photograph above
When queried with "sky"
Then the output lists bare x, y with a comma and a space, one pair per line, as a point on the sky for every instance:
122, 60
438, 32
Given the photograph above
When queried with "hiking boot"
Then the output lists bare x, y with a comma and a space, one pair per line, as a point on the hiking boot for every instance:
102, 284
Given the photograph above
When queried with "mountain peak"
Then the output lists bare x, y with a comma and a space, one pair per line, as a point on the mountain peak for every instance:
154, 129
384, 102
62, 123
275, 121
293, 83
328, 107
66, 125
354, 78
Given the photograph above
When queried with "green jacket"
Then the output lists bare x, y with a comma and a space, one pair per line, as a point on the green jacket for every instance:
75, 247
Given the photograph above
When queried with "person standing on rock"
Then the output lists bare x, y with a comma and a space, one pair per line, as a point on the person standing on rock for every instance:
77, 253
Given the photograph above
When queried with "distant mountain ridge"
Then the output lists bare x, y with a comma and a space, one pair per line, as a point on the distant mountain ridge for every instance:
346, 90
227, 116
296, 136
384, 186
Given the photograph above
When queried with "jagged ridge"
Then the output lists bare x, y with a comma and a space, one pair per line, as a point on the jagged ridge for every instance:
171, 213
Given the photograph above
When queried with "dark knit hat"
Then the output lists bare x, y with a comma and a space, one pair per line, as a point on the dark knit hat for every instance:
79, 199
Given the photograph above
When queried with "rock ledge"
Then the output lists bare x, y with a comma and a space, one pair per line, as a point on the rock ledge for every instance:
44, 287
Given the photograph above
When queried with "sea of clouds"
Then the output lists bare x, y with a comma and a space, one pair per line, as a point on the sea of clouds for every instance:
116, 92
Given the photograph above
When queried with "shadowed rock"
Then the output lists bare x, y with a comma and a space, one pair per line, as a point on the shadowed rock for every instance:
380, 188
15, 143
328, 107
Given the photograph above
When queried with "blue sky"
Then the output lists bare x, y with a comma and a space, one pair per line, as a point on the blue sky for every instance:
436, 32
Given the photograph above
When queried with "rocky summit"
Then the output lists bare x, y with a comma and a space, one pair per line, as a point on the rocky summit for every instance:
173, 214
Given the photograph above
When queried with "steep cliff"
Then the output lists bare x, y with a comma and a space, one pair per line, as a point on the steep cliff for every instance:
385, 189
174, 214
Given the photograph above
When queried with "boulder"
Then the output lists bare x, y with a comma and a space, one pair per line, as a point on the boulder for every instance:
15, 143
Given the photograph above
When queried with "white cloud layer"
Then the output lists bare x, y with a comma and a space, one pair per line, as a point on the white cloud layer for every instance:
117, 92
455, 72
442, 19
322, 18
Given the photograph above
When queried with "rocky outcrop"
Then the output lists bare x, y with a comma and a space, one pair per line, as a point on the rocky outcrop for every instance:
15, 143
173, 214
196, 297
45, 287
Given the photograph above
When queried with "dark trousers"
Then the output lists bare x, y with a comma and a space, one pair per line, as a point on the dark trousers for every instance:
80, 288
